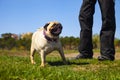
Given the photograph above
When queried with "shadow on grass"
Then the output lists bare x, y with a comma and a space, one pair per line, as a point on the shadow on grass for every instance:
60, 63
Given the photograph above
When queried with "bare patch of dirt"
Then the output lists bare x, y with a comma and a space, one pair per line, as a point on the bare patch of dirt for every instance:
14, 53
55, 54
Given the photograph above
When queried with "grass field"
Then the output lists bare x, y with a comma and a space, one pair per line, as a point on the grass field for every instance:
15, 65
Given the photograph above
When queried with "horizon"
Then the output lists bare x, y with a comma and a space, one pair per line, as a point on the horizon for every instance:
22, 16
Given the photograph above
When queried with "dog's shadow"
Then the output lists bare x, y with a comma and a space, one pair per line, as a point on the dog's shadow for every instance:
60, 63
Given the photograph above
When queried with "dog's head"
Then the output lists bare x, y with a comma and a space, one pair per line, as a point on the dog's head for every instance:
53, 28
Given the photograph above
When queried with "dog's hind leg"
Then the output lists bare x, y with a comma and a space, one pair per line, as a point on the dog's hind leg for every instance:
32, 52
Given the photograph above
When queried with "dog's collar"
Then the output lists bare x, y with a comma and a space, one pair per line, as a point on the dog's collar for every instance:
48, 38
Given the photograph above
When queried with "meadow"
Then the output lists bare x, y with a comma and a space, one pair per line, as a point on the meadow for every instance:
15, 65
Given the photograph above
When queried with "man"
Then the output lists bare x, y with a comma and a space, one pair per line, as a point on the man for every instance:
107, 32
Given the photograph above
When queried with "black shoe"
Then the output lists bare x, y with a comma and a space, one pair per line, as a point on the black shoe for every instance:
104, 58
79, 56
83, 57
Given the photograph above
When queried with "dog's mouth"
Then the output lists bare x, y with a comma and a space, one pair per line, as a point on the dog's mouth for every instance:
57, 29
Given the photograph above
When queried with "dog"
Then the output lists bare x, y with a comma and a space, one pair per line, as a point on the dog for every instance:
45, 40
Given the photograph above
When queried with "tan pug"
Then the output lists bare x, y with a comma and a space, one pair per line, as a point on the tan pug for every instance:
46, 40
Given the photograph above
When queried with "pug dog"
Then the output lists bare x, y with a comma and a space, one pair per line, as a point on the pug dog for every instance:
45, 40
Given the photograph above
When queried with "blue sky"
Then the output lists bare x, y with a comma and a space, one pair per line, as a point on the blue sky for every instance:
21, 16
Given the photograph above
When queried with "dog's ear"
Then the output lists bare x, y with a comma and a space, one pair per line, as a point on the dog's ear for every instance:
45, 26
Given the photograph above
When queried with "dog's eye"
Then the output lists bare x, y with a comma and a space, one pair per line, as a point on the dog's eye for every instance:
53, 25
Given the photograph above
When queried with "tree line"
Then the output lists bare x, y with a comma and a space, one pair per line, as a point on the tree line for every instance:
23, 42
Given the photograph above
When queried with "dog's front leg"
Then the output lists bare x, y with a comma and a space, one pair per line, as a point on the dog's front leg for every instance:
43, 56
62, 55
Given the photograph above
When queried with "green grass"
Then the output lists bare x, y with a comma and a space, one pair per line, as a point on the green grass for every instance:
20, 68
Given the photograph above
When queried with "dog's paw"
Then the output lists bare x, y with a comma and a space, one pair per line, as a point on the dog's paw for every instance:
44, 65
33, 62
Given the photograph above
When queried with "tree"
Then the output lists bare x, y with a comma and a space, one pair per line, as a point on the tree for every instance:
6, 35
96, 41
117, 43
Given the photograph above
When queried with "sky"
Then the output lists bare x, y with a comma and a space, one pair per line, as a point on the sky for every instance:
21, 16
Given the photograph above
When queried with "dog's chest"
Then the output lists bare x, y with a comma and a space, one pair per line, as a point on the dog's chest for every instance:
51, 46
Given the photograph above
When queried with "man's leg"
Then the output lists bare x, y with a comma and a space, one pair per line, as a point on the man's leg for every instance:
108, 30
86, 23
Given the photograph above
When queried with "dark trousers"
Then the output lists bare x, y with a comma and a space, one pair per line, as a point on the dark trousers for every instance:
107, 31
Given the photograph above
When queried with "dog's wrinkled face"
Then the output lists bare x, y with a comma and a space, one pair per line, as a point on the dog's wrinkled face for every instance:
53, 28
